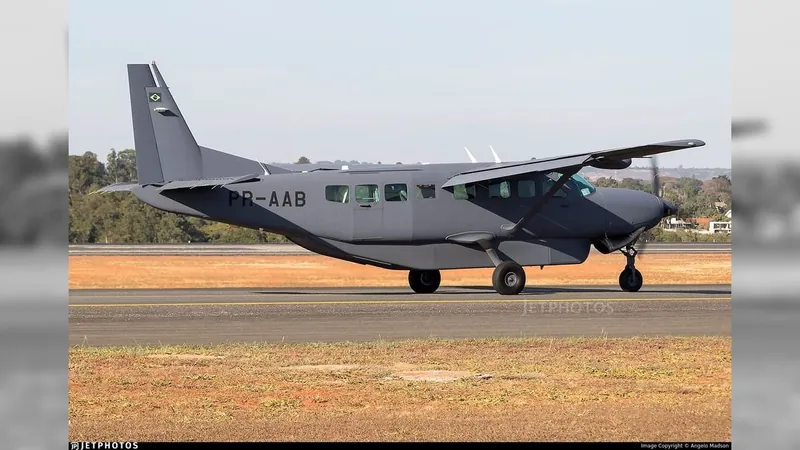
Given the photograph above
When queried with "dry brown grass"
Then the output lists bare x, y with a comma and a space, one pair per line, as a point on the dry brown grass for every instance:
98, 272
541, 389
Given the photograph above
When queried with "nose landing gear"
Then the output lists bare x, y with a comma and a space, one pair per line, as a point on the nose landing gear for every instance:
630, 280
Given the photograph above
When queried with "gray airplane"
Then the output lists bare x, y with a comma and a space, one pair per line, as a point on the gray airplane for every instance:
420, 218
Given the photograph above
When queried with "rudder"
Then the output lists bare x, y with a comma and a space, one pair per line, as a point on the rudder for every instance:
165, 147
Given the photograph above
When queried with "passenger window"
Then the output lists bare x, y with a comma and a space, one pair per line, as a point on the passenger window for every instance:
367, 193
337, 193
395, 192
463, 192
526, 188
426, 191
500, 190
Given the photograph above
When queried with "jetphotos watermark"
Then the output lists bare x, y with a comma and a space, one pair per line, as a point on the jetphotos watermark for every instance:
572, 307
103, 445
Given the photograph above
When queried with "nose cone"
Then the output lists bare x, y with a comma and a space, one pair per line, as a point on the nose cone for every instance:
630, 209
669, 208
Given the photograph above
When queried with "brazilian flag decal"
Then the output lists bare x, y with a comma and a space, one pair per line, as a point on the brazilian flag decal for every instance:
155, 97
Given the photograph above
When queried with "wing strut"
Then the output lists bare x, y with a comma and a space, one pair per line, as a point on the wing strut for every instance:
510, 228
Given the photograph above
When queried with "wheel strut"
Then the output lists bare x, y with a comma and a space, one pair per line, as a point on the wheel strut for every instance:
630, 279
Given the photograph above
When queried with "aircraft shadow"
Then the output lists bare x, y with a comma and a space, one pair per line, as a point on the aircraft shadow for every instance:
463, 290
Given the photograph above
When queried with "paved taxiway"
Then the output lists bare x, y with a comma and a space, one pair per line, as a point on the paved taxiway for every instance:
204, 316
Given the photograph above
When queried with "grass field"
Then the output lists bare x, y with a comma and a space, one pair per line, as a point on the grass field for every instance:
99, 272
676, 389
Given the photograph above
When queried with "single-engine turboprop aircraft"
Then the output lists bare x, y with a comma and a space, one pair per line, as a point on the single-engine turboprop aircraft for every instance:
421, 218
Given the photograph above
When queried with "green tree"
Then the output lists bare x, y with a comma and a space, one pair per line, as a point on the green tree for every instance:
121, 167
86, 173
633, 183
606, 182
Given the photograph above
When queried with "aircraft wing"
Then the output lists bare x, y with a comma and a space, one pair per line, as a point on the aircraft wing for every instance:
560, 163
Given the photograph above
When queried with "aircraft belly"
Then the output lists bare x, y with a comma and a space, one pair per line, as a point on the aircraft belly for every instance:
443, 256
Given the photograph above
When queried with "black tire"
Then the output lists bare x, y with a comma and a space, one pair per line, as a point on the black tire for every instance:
508, 278
424, 281
626, 281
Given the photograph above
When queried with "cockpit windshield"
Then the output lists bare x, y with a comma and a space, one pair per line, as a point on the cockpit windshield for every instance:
583, 186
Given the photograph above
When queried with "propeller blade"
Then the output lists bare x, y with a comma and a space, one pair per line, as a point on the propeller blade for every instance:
656, 183
656, 180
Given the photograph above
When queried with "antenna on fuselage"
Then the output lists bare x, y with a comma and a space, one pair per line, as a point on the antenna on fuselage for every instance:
469, 154
496, 158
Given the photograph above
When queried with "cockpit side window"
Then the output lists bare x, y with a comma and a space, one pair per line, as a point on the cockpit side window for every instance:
550, 179
575, 186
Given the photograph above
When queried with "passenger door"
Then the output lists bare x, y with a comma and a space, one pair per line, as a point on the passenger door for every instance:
367, 212
398, 219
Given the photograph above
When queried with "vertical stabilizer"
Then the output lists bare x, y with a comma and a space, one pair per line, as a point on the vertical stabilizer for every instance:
165, 147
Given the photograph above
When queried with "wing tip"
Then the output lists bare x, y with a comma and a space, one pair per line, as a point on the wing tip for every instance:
687, 143
682, 143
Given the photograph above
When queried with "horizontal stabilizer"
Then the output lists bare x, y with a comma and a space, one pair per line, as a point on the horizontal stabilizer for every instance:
116, 187
208, 182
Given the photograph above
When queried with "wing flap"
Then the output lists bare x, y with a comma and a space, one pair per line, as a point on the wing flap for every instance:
559, 163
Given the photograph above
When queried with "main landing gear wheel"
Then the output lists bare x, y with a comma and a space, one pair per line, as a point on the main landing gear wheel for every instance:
508, 278
424, 281
630, 280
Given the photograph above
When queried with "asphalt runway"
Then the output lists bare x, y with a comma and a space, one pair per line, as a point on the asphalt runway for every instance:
212, 316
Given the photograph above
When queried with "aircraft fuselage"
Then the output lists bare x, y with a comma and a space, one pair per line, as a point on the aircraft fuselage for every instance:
402, 218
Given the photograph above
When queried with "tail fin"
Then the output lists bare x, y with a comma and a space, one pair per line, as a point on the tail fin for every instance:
165, 148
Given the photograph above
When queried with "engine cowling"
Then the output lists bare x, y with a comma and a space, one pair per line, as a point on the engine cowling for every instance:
611, 164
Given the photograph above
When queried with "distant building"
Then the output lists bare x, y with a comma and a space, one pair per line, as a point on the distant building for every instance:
673, 223
720, 227
702, 222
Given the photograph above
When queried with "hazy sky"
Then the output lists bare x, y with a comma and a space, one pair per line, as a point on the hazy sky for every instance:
411, 80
